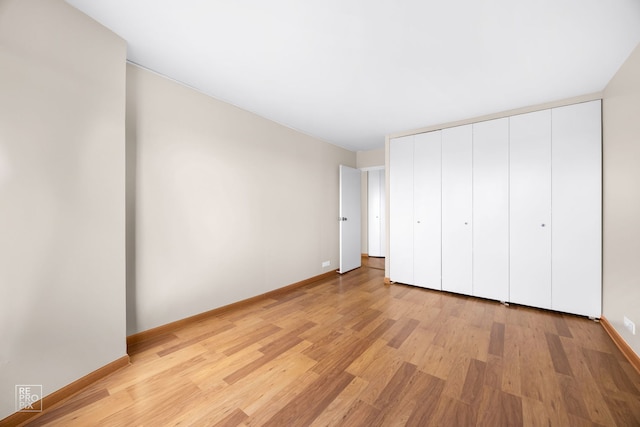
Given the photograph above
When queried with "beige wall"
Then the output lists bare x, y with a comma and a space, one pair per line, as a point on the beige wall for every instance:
621, 199
370, 159
62, 260
228, 205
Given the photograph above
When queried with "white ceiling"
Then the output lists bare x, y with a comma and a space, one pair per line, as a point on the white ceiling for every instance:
351, 71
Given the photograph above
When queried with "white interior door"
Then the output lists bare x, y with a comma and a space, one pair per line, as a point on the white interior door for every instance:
350, 256
530, 209
375, 212
457, 212
383, 213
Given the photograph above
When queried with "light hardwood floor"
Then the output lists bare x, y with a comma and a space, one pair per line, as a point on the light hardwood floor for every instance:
351, 351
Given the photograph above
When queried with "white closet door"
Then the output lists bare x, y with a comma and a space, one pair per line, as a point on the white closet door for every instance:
491, 209
577, 200
373, 213
457, 209
530, 209
427, 222
401, 209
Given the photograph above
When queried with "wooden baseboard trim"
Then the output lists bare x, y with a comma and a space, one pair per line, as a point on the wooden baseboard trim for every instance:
628, 352
170, 327
387, 281
58, 397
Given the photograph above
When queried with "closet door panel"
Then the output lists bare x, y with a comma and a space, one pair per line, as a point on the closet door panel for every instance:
427, 210
491, 209
577, 200
530, 209
401, 210
457, 209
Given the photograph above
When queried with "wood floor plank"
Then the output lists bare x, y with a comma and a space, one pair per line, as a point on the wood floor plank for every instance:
623, 413
532, 379
88, 415
365, 319
605, 366
151, 343
575, 421
590, 337
175, 364
496, 340
275, 378
283, 344
383, 322
349, 350
259, 388
561, 326
458, 369
413, 349
427, 392
535, 413
256, 335
343, 357
325, 344
232, 420
493, 372
156, 404
81, 402
480, 313
500, 409
437, 361
339, 408
392, 390
401, 291
360, 414
380, 373
452, 412
409, 396
208, 374
558, 356
409, 326
306, 406
572, 396
260, 414
197, 339
474, 382
587, 383
367, 357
